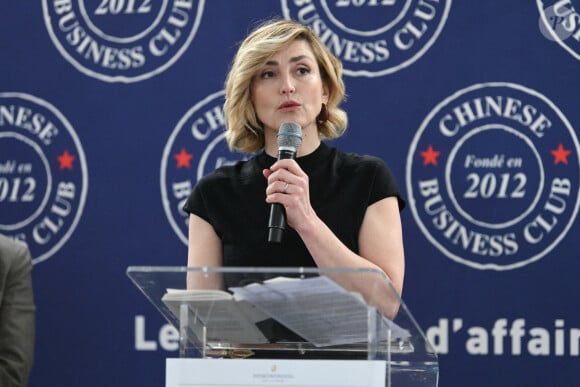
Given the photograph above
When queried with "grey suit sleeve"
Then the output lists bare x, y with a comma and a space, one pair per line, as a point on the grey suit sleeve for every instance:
17, 315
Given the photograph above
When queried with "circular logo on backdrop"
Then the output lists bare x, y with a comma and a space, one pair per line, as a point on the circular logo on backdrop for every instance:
493, 176
196, 147
43, 174
122, 40
372, 37
560, 22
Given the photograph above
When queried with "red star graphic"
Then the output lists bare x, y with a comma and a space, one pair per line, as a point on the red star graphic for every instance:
430, 155
183, 159
560, 155
66, 160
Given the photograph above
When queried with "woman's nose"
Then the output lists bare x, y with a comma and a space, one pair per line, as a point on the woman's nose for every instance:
287, 86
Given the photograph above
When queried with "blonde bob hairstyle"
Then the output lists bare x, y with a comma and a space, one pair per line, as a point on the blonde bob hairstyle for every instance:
244, 132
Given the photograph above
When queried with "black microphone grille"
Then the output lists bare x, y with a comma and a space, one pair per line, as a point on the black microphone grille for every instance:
289, 135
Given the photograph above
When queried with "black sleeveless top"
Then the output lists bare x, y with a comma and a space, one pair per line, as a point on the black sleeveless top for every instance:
342, 186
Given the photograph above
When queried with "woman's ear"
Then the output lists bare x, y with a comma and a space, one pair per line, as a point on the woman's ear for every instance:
325, 93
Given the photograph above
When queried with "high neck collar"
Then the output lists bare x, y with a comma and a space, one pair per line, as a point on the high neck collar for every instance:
307, 162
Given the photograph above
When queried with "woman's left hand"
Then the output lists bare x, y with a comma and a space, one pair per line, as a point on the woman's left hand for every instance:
288, 185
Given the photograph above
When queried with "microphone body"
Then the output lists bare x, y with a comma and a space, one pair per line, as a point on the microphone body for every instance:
289, 140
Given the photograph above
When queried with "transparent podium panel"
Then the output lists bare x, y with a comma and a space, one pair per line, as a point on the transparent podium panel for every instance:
291, 313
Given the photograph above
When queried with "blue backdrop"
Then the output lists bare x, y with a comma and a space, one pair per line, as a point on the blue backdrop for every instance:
110, 111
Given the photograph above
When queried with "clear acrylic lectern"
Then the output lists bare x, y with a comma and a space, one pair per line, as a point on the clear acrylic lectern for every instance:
291, 313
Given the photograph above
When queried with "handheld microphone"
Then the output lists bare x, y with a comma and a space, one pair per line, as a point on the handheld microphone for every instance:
289, 140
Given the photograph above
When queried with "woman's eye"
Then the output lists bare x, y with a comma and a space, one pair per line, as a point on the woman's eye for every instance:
303, 70
267, 74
